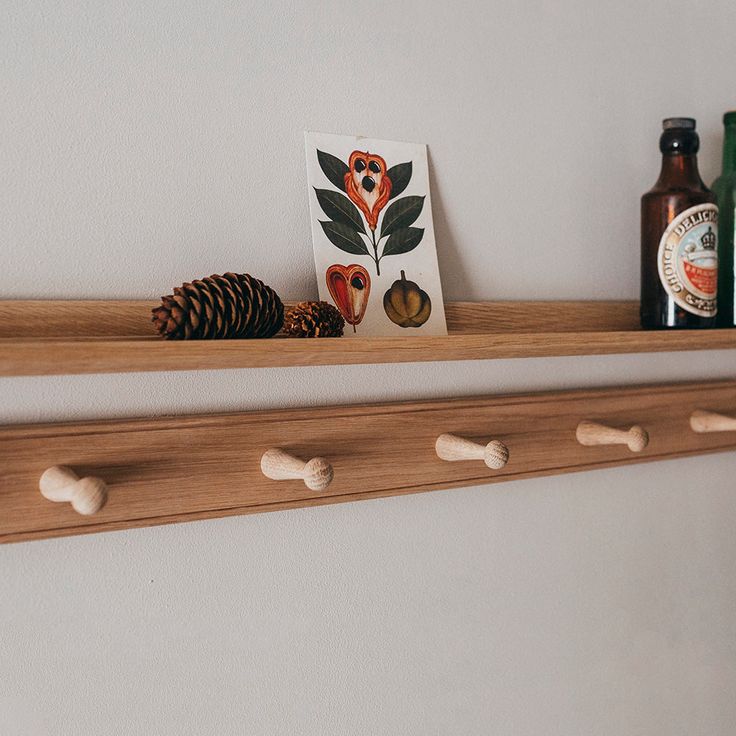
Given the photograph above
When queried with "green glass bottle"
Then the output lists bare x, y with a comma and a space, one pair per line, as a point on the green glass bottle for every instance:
725, 188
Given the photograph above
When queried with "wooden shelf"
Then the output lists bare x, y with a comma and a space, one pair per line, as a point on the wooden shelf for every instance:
60, 337
173, 469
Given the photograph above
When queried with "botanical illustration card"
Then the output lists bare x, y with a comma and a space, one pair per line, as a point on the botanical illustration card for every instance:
374, 244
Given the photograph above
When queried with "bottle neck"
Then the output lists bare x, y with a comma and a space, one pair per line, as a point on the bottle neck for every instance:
680, 170
729, 149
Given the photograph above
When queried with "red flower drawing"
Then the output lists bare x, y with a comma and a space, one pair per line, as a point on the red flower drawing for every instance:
368, 185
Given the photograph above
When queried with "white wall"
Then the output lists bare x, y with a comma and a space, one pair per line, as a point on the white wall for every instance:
147, 143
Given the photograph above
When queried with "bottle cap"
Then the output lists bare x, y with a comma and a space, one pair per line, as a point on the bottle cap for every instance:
681, 123
730, 118
679, 137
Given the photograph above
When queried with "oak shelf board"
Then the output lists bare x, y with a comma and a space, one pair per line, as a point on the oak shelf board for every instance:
74, 337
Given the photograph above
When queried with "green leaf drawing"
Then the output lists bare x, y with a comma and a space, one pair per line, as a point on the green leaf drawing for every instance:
401, 213
333, 169
344, 237
400, 176
340, 209
402, 241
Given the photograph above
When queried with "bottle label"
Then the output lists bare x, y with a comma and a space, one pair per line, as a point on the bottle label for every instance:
688, 259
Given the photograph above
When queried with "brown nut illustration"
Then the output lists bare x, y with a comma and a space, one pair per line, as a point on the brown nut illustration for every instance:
406, 304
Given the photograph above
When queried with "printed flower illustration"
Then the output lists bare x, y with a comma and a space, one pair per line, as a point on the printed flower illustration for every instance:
368, 185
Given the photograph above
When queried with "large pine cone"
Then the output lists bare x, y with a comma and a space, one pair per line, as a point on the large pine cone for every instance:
229, 306
313, 319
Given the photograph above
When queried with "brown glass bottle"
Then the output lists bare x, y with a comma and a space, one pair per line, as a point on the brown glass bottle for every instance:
679, 226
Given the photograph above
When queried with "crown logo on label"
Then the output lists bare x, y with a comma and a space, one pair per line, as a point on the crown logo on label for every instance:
709, 239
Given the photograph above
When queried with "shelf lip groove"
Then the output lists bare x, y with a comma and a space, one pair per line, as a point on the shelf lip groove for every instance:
78, 337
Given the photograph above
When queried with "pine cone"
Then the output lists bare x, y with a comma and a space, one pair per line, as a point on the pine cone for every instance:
313, 319
229, 306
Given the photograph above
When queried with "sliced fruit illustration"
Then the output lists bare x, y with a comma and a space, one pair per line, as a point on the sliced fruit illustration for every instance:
349, 287
367, 184
406, 304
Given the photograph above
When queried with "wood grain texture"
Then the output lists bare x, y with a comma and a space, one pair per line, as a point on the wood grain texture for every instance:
166, 470
47, 338
126, 319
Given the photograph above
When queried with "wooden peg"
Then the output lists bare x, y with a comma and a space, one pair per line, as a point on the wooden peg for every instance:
317, 474
709, 421
86, 495
592, 433
453, 448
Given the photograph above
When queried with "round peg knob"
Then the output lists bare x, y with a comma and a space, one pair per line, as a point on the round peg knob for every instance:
592, 433
708, 421
453, 448
61, 484
276, 464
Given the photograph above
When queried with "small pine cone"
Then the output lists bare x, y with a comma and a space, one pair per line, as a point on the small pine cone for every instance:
229, 306
313, 319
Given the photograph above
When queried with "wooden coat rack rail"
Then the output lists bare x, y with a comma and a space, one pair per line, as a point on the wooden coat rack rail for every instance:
61, 479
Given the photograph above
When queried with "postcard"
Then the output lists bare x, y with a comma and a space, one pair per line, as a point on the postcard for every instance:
374, 244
